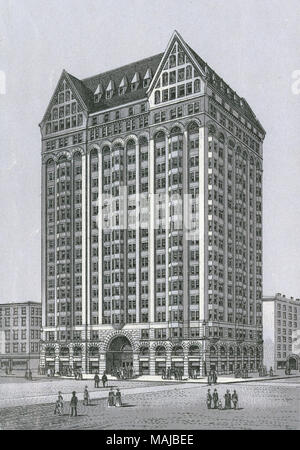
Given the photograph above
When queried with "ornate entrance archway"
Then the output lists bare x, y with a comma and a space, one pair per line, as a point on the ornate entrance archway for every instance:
119, 355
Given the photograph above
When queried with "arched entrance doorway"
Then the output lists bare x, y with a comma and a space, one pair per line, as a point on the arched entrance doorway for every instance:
119, 355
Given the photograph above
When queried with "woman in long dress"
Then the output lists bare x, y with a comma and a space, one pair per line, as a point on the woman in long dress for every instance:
111, 398
118, 398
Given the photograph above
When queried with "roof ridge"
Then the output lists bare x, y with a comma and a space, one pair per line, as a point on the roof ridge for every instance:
121, 67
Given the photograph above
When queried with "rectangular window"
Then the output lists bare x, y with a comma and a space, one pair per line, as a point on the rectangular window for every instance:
181, 91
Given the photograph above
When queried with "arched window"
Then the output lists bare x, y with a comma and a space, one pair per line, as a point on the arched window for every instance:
231, 351
231, 144
157, 97
160, 351
245, 351
64, 351
221, 138
106, 150
194, 350
211, 130
177, 351
197, 85
130, 144
77, 155
62, 159
213, 351
160, 136
94, 153
193, 128
77, 351
144, 351
93, 351
223, 351
50, 351
189, 72
143, 141
175, 131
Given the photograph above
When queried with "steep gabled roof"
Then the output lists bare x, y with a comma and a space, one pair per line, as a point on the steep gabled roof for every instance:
116, 75
87, 87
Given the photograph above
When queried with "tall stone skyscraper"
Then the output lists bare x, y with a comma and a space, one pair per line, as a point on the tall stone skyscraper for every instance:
130, 158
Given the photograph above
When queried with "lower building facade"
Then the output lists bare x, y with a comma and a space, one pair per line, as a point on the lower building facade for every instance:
129, 348
20, 334
281, 330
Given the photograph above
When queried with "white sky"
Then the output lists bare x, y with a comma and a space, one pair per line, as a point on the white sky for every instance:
253, 45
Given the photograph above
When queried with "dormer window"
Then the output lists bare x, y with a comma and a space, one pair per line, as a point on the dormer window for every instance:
110, 89
135, 82
147, 78
123, 86
98, 93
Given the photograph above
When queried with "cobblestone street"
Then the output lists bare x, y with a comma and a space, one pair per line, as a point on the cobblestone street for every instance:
263, 405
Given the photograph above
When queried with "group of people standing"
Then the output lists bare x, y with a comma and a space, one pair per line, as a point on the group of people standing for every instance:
241, 373
114, 398
213, 401
97, 379
212, 377
123, 373
172, 372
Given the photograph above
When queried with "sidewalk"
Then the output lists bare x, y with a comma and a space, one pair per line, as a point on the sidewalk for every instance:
222, 379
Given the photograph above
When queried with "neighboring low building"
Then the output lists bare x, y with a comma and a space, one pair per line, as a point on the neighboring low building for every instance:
20, 333
281, 332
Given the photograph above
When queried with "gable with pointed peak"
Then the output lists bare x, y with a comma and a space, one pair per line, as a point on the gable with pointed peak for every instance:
176, 39
78, 89
178, 76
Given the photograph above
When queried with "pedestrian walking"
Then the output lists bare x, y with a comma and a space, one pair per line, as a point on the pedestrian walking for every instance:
215, 377
208, 399
96, 380
86, 396
111, 398
59, 405
57, 409
104, 379
118, 398
227, 397
73, 404
234, 399
215, 398
271, 371
209, 378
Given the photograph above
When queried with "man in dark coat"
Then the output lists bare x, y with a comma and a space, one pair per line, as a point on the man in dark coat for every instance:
215, 399
96, 379
215, 377
208, 399
73, 404
234, 399
104, 379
